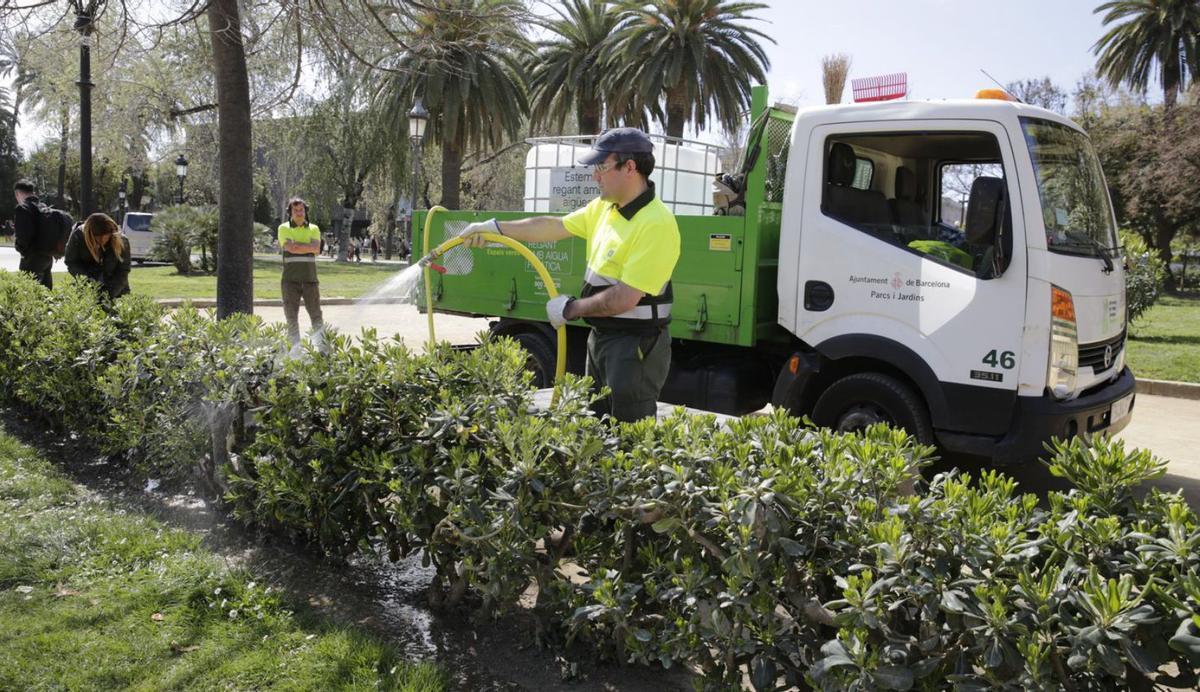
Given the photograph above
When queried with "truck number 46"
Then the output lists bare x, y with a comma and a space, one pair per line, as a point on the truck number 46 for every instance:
1006, 360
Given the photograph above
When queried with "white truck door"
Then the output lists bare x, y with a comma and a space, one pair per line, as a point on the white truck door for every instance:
915, 286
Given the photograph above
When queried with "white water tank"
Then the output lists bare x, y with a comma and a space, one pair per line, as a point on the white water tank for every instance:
683, 174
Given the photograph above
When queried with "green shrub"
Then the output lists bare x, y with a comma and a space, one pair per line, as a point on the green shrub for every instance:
205, 228
1144, 274
758, 549
175, 227
264, 239
1187, 249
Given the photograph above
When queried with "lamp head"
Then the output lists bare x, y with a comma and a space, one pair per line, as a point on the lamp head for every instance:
418, 118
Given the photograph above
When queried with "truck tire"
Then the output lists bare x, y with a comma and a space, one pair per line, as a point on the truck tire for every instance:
856, 401
541, 357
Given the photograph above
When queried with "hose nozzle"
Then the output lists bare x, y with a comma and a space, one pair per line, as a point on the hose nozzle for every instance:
427, 261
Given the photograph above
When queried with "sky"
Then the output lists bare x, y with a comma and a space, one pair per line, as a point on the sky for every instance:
941, 44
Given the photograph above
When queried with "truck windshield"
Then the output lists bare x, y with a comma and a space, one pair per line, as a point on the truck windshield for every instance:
1070, 183
138, 222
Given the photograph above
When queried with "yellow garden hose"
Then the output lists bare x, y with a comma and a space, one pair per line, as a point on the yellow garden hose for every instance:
560, 364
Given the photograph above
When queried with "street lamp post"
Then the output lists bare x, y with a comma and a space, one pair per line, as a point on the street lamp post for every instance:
418, 118
181, 165
84, 17
121, 200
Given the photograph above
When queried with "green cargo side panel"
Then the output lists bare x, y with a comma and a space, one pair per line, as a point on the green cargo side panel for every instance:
707, 280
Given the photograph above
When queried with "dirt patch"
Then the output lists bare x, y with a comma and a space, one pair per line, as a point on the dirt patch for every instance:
386, 599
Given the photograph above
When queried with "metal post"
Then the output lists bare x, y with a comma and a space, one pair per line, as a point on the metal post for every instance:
83, 24
412, 207
387, 251
181, 164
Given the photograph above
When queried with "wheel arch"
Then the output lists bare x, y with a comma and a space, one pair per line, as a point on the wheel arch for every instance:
850, 353
510, 327
576, 338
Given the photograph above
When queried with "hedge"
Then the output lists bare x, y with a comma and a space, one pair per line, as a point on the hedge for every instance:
761, 551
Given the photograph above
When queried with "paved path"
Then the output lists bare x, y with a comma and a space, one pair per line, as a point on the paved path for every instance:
1170, 428
404, 321
10, 259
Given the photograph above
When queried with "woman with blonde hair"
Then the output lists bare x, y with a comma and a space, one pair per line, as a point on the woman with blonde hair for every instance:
97, 250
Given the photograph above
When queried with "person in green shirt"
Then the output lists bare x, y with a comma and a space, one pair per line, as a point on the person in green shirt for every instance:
300, 242
632, 247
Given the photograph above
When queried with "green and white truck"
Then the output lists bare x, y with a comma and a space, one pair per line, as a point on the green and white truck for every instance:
950, 267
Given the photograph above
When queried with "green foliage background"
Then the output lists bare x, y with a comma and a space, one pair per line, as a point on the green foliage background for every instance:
1143, 275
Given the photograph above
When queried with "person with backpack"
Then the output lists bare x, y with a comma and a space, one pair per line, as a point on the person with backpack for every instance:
36, 259
98, 251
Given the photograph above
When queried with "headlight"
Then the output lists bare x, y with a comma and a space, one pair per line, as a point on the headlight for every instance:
1064, 344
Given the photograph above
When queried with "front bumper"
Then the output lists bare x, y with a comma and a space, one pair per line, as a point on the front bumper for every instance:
1038, 419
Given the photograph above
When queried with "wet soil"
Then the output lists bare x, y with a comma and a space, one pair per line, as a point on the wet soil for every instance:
386, 599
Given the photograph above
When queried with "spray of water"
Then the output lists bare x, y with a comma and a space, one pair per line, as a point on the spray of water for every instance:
400, 288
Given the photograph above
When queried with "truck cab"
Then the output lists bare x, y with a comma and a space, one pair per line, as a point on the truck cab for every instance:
950, 266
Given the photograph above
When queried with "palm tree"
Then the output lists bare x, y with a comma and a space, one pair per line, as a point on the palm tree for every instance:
1162, 33
694, 55
565, 73
465, 62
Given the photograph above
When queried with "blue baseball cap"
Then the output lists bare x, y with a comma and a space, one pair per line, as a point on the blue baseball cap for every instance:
618, 140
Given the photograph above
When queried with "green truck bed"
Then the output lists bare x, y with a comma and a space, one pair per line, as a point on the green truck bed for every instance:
724, 282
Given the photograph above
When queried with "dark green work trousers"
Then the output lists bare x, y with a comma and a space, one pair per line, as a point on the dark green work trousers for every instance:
633, 366
293, 292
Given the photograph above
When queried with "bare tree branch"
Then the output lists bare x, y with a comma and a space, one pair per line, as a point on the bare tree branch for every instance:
176, 113
491, 158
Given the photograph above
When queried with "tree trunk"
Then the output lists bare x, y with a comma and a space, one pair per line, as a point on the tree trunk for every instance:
64, 131
1170, 79
1163, 235
235, 234
589, 118
344, 233
134, 200
345, 132
451, 173
677, 111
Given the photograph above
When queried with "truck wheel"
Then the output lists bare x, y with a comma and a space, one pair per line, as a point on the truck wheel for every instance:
541, 357
857, 401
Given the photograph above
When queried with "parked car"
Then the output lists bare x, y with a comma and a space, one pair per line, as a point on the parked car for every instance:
138, 228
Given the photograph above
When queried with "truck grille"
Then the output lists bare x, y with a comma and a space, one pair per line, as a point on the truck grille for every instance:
1092, 355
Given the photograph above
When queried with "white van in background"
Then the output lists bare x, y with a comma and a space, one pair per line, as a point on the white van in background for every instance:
136, 227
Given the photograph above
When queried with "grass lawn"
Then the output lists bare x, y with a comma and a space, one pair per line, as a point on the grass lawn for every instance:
1165, 343
337, 280
100, 599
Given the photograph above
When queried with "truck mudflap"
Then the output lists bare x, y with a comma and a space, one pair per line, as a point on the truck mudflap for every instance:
1104, 411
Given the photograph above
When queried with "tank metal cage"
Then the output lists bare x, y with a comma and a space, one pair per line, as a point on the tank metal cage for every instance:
683, 170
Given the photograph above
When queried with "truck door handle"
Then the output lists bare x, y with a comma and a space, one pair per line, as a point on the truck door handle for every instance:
818, 296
